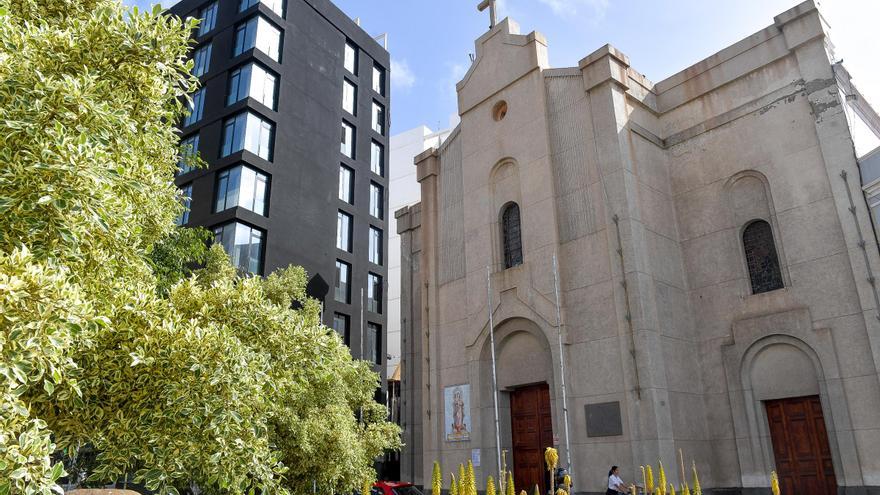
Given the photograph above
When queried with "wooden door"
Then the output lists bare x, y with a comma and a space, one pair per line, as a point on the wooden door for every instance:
800, 446
532, 430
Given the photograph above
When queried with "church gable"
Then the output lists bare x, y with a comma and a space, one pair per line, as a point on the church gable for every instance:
502, 56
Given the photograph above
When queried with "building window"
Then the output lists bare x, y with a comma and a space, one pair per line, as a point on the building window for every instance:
346, 184
378, 80
511, 235
202, 60
375, 246
374, 293
373, 343
243, 244
343, 231
241, 186
254, 81
347, 144
341, 325
342, 291
196, 108
761, 258
350, 58
378, 118
208, 18
277, 6
377, 201
189, 151
377, 158
349, 96
258, 33
247, 131
186, 193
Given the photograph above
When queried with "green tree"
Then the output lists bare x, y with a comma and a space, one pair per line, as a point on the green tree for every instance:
107, 338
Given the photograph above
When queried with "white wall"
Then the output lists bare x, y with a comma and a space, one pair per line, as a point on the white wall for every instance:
403, 191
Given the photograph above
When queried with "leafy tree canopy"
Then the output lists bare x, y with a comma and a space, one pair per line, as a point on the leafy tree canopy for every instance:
107, 337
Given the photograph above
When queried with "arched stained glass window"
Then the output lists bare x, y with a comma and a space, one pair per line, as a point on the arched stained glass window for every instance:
511, 235
761, 258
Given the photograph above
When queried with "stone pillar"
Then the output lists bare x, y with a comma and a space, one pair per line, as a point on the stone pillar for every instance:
804, 32
644, 370
428, 175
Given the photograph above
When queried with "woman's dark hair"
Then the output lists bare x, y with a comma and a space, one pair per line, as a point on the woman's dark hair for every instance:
613, 468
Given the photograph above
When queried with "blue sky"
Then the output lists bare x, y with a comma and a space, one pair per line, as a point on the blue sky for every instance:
430, 40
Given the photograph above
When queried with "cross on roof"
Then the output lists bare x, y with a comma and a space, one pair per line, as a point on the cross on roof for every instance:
491, 5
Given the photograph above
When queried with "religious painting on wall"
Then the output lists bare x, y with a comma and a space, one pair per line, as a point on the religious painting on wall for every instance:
457, 408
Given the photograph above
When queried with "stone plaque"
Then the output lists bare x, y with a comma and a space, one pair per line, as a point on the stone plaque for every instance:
603, 419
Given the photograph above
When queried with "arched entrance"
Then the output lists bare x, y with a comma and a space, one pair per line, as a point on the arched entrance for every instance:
784, 379
525, 383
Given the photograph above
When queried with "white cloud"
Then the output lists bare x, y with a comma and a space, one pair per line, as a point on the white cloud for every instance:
456, 72
401, 75
568, 8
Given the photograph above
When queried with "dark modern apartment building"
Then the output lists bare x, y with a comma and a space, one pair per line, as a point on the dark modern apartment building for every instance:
292, 119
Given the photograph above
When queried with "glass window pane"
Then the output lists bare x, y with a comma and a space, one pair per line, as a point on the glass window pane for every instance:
189, 148
208, 16
379, 80
341, 292
268, 38
195, 108
202, 60
262, 86
378, 118
377, 158
375, 254
346, 184
248, 131
343, 231
244, 244
350, 58
347, 141
349, 96
374, 293
377, 200
340, 324
373, 343
186, 192
241, 186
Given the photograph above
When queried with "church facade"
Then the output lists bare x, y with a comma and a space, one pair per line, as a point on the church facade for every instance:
715, 271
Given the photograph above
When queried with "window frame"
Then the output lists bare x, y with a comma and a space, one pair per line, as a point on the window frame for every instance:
206, 27
235, 79
377, 118
262, 247
202, 59
237, 200
270, 144
344, 235
343, 168
243, 27
346, 83
374, 333
377, 204
346, 331
340, 264
353, 70
378, 84
183, 168
374, 145
244, 5
512, 254
756, 285
352, 141
375, 251
183, 218
375, 286
196, 108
